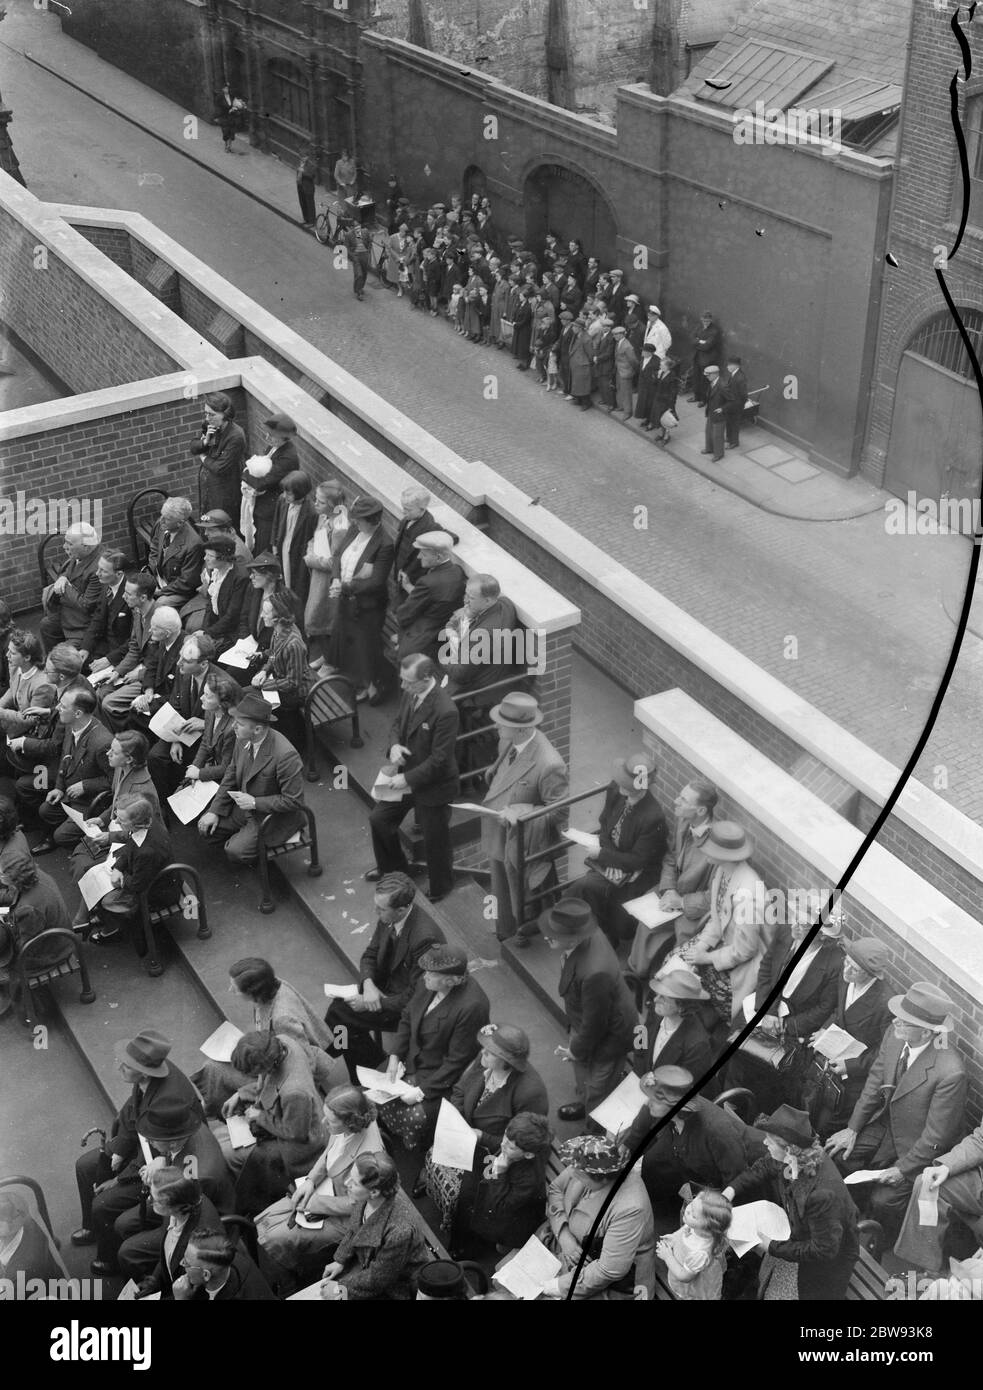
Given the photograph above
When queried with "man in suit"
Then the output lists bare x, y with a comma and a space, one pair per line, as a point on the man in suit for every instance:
265, 775
604, 364
707, 354
72, 598
416, 521
702, 1144
388, 973
806, 998
912, 1107
483, 643
161, 670
128, 661
528, 775
225, 591
166, 761
84, 770
216, 1271
599, 1010
112, 618
861, 1010
719, 396
617, 299
438, 1031
433, 599
633, 835
957, 1178
176, 552
734, 409
143, 1065
422, 750
280, 432
177, 1139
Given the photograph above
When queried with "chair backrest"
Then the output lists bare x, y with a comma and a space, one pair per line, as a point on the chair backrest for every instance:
330, 699
46, 950
50, 557
243, 1231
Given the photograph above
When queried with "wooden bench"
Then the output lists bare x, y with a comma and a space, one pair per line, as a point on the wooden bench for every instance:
306, 838
33, 976
330, 700
141, 520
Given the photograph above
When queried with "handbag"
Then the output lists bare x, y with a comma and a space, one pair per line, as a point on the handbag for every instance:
668, 420
407, 1123
507, 327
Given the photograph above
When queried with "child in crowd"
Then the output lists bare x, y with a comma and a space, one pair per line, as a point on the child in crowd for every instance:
695, 1255
553, 369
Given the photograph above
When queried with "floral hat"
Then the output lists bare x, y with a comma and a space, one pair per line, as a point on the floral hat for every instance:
594, 1154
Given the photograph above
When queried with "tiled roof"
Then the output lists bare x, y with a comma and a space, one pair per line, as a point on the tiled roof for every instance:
860, 38
762, 72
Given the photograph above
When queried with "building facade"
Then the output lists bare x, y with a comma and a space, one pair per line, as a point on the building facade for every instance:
925, 433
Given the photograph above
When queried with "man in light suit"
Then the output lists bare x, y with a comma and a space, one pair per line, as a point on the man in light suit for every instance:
388, 972
912, 1108
529, 775
265, 775
422, 749
72, 598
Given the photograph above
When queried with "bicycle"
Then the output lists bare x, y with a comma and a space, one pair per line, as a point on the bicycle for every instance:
332, 228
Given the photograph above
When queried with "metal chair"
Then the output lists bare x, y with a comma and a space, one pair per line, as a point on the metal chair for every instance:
189, 906
48, 566
264, 853
735, 1100
242, 1230
329, 701
140, 522
34, 974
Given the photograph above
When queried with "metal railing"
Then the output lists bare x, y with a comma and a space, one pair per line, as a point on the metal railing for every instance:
551, 852
523, 683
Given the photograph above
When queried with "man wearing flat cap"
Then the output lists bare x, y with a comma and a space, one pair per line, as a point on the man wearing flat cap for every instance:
604, 363
831, 1088
434, 598
527, 776
265, 776
912, 1107
718, 401
143, 1065
633, 837
600, 1011
264, 492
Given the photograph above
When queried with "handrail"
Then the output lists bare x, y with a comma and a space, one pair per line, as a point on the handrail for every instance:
550, 852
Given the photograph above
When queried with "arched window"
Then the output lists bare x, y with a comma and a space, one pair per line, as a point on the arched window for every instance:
288, 93
939, 340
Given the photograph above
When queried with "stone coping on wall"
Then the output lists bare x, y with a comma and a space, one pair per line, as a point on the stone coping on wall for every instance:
538, 605
114, 400
934, 820
897, 896
45, 224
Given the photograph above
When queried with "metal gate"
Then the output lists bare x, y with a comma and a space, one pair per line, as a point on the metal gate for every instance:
936, 443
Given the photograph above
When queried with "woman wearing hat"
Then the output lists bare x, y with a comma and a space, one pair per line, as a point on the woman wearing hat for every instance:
832, 1089
319, 1199
221, 449
498, 1084
665, 389
361, 586
282, 1108
816, 1261
672, 1033
265, 578
581, 366
436, 1040
621, 1254
806, 998
728, 950
260, 484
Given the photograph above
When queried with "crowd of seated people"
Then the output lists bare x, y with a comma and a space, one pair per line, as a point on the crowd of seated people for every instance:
285, 1133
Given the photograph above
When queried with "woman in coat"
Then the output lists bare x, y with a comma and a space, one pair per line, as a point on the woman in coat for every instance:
219, 697
146, 851
320, 1196
221, 449
581, 367
361, 585
127, 756
522, 329
497, 1085
282, 1108
475, 300
816, 1261
277, 1008
384, 1249
645, 400
293, 528
665, 391
497, 307
508, 1203
673, 1034
728, 950
330, 529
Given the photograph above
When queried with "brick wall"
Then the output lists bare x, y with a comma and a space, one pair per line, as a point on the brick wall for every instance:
782, 868
116, 457
114, 242
67, 322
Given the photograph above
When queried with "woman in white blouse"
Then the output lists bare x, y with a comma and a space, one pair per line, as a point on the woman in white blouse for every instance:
329, 536
297, 1232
